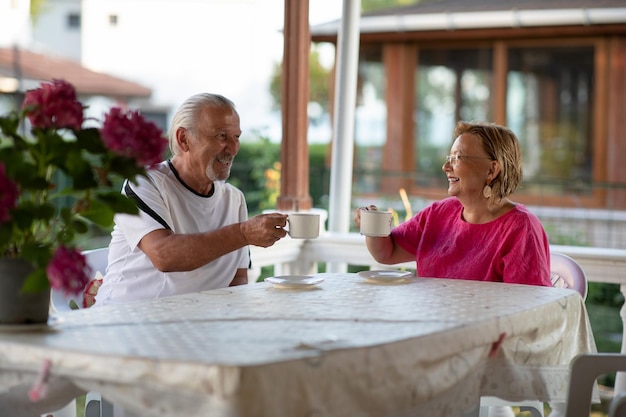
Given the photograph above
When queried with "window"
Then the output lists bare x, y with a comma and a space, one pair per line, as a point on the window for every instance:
549, 107
452, 84
370, 124
546, 94
73, 21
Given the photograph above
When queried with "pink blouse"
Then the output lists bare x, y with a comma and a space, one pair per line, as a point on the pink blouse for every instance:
513, 248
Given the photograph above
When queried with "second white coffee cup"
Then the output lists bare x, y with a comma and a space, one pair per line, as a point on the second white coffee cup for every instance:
375, 223
303, 225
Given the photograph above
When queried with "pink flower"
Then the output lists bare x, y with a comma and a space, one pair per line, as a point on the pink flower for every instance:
68, 270
128, 134
54, 105
8, 195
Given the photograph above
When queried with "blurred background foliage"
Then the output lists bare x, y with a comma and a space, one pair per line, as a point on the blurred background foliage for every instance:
256, 172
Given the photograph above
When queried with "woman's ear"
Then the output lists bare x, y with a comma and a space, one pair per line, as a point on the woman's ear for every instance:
494, 169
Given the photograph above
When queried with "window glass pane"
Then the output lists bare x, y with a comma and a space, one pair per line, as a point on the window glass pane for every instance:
452, 85
370, 130
549, 106
73, 21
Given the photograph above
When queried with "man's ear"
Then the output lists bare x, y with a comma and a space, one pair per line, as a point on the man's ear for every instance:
182, 138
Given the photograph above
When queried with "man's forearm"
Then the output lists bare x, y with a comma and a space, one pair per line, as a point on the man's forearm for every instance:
176, 253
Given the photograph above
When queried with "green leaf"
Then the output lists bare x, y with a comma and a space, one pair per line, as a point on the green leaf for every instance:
45, 211
29, 180
118, 202
24, 216
80, 171
125, 167
28, 213
9, 123
36, 281
66, 215
65, 236
37, 253
6, 232
89, 139
79, 226
99, 213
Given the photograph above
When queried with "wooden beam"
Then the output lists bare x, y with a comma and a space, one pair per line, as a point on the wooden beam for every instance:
400, 61
294, 179
500, 72
600, 110
616, 114
431, 37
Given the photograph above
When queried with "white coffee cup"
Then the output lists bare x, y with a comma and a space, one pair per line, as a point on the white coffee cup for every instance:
303, 225
375, 223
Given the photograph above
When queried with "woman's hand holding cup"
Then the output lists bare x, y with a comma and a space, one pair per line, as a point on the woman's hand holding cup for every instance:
373, 222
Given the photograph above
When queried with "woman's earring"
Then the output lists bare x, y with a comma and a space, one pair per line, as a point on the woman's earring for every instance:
487, 191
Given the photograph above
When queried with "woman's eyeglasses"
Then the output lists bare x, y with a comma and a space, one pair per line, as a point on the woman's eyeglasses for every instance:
454, 159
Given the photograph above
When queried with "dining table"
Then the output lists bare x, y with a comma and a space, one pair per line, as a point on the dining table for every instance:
372, 343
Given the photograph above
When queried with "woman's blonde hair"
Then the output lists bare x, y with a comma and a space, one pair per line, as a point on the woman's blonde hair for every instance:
502, 145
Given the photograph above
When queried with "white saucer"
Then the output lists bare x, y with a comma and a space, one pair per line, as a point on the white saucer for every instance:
294, 281
28, 328
386, 276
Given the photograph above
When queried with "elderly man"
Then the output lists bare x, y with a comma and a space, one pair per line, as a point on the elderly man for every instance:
193, 229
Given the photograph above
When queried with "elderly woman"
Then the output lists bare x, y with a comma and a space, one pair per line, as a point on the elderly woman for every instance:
477, 233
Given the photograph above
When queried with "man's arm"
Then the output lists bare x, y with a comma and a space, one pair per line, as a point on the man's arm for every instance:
171, 252
241, 277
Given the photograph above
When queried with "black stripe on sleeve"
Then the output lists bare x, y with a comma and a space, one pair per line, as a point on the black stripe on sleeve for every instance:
143, 206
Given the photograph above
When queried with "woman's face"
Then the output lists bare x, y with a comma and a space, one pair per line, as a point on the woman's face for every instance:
468, 168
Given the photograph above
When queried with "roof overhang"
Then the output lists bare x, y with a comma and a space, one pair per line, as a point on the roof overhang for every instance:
479, 20
23, 69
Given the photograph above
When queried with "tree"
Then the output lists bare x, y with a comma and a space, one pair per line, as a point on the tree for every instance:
36, 7
319, 79
369, 5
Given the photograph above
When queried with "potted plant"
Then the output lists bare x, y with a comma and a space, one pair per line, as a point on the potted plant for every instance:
58, 177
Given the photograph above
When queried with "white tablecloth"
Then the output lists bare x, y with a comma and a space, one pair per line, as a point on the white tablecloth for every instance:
347, 347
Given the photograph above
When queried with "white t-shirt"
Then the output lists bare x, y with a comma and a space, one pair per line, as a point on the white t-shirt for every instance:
164, 201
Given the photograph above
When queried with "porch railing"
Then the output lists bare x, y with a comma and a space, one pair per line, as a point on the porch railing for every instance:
296, 256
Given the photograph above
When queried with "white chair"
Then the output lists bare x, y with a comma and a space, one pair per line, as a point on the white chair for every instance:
96, 406
585, 369
565, 272
61, 302
97, 259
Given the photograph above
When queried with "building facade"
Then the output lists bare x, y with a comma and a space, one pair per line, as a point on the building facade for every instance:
554, 71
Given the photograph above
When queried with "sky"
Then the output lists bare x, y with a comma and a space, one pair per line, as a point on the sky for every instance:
270, 26
228, 47
236, 44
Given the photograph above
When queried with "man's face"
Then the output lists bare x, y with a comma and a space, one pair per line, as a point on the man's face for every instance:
217, 142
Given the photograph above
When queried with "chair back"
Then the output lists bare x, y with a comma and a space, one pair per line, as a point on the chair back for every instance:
97, 259
567, 273
584, 371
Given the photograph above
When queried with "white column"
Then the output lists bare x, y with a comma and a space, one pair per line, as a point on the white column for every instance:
340, 213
